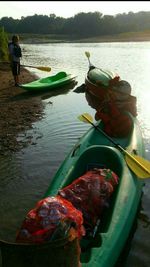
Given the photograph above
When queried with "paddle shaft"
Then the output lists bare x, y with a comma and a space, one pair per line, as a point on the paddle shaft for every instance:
35, 67
108, 137
38, 67
29, 66
89, 61
118, 146
21, 65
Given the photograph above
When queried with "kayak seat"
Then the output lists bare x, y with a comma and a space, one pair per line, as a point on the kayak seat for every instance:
58, 76
61, 75
96, 156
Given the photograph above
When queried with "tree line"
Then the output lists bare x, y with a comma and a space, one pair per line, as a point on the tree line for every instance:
81, 25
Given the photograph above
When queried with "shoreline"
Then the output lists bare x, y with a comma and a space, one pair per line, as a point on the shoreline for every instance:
19, 111
52, 38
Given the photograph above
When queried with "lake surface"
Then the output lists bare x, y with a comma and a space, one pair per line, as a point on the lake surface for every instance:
25, 176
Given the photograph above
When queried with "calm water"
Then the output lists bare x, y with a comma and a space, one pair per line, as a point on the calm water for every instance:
25, 176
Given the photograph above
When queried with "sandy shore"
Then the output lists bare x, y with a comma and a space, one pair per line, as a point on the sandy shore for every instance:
19, 110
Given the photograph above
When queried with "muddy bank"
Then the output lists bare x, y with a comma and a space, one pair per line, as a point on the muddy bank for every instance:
19, 110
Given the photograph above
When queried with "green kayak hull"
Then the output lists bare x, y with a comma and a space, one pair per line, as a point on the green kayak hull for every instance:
51, 82
94, 149
97, 75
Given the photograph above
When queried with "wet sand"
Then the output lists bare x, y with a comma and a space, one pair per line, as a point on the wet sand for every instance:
19, 110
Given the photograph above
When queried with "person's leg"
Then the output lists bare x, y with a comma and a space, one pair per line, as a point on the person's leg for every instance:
16, 72
16, 80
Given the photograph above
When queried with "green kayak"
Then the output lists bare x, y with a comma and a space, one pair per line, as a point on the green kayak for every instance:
93, 149
103, 250
51, 82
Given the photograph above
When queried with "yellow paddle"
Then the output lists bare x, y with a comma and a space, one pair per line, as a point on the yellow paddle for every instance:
88, 57
91, 66
38, 67
138, 165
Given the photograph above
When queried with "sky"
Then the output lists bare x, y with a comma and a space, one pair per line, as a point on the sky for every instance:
66, 9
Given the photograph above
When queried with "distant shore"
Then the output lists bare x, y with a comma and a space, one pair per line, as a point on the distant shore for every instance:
52, 38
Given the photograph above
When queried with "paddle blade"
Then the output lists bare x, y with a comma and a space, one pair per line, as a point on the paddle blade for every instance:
44, 68
140, 166
87, 54
85, 117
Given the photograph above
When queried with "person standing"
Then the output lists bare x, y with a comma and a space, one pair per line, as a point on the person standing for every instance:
15, 54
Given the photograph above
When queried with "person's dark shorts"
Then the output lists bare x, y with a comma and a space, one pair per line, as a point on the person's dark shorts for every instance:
15, 68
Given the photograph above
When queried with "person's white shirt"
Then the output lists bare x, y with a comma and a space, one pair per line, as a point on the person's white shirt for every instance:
11, 51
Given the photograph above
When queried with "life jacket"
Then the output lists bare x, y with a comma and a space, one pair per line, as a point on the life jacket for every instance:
16, 49
124, 103
116, 123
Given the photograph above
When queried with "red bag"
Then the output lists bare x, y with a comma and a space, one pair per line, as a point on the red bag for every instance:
90, 194
50, 216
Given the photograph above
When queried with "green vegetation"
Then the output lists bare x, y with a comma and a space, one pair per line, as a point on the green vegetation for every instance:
3, 45
81, 26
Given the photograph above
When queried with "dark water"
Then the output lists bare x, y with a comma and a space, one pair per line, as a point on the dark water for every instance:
25, 176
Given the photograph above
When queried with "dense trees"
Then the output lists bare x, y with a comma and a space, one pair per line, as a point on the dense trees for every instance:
81, 25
